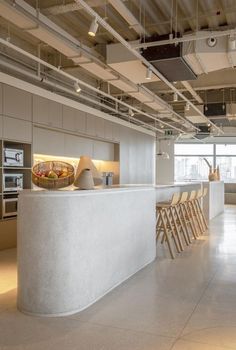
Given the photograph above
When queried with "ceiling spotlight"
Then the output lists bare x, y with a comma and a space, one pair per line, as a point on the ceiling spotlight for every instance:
131, 112
93, 28
187, 107
232, 43
175, 98
77, 87
148, 73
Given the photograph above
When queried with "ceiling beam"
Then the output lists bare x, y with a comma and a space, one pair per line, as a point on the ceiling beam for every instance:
192, 91
71, 7
120, 7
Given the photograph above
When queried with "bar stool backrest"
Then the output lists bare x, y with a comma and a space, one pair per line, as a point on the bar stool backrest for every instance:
192, 195
184, 197
204, 192
175, 198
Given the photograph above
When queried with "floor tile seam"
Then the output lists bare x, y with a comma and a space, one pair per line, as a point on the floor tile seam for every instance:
195, 307
202, 343
124, 329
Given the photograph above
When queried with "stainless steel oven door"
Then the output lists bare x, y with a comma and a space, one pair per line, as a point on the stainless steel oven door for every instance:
10, 207
12, 182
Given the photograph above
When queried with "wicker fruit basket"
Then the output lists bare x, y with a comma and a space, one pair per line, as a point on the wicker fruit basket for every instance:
53, 174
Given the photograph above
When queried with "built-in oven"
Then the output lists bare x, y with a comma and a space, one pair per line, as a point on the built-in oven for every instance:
13, 157
12, 182
9, 205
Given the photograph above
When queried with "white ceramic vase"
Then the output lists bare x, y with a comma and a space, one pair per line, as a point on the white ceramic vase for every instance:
85, 180
86, 163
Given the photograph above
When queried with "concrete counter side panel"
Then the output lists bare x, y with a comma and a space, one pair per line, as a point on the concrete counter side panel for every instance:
73, 249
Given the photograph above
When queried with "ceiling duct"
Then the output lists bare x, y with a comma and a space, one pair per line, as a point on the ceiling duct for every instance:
124, 62
169, 60
210, 54
215, 109
204, 132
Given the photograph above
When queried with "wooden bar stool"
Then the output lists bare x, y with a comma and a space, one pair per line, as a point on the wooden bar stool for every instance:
167, 226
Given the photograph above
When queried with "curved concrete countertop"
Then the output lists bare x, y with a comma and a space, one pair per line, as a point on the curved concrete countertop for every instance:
75, 246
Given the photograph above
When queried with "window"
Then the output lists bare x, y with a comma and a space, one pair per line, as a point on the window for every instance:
190, 165
193, 149
189, 162
226, 159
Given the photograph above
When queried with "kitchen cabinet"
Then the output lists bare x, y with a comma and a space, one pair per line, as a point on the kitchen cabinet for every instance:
108, 130
94, 126
116, 130
74, 120
1, 93
111, 131
17, 130
78, 146
103, 150
47, 112
80, 121
0, 126
48, 142
17, 103
90, 125
99, 127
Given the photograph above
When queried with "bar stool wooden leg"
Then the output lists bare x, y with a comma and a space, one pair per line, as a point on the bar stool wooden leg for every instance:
202, 215
181, 225
171, 209
158, 225
171, 230
166, 235
184, 221
191, 215
196, 216
189, 219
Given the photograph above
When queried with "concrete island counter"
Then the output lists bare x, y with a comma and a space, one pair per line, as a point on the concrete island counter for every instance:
75, 246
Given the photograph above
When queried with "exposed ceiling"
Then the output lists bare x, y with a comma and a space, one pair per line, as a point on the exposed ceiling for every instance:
57, 31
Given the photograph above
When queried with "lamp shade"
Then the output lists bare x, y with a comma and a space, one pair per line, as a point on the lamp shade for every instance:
86, 163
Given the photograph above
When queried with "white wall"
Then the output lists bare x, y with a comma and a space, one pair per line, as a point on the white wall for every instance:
165, 167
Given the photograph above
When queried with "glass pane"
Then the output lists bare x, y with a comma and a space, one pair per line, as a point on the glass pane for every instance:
191, 168
226, 150
193, 149
227, 168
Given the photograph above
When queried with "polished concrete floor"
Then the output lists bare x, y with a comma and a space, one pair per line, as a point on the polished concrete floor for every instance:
185, 304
